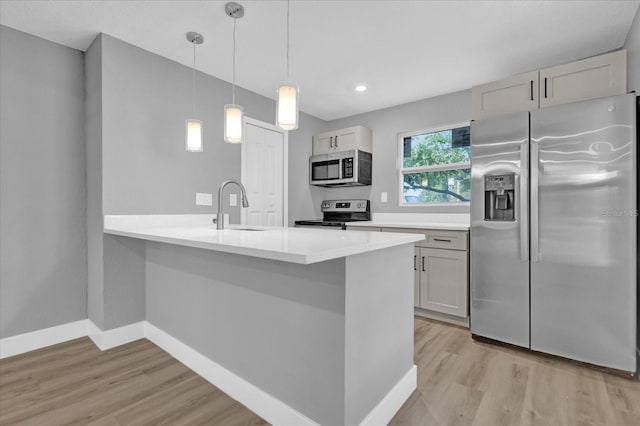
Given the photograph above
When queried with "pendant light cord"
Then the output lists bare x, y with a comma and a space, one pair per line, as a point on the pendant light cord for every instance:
233, 86
193, 80
288, 73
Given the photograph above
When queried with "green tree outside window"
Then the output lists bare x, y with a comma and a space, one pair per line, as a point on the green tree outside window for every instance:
434, 150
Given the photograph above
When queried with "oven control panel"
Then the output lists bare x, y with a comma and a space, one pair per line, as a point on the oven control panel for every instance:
345, 205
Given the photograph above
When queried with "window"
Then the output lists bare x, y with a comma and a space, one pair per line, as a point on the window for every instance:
436, 166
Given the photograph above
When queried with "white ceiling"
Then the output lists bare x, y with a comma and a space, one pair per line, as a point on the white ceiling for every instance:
402, 50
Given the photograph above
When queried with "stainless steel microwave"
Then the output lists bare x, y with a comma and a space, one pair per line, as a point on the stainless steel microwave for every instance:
344, 168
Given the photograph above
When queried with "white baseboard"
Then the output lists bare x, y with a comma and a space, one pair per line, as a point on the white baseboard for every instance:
462, 322
115, 337
16, 345
391, 403
266, 406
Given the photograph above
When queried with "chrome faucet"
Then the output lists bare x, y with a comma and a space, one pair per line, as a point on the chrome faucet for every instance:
220, 215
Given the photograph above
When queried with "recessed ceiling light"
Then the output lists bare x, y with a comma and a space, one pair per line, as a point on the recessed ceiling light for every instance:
361, 88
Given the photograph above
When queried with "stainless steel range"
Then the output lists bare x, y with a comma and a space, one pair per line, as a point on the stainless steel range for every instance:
336, 214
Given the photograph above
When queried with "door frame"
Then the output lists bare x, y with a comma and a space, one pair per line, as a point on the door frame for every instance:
285, 167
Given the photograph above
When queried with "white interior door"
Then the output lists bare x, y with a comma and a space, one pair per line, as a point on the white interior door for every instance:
264, 174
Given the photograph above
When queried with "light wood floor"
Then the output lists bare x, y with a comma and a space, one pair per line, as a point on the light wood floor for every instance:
74, 383
465, 382
460, 382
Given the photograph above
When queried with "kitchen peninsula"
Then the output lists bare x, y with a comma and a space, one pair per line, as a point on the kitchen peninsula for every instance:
303, 326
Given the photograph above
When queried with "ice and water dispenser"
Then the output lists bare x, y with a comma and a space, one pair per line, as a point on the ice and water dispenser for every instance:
499, 197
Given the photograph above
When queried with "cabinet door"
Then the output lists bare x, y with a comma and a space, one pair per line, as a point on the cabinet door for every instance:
345, 140
322, 144
443, 281
513, 94
597, 77
416, 276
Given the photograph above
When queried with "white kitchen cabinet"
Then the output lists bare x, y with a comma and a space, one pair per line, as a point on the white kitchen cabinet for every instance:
322, 143
604, 75
441, 271
442, 275
599, 76
356, 137
513, 94
443, 281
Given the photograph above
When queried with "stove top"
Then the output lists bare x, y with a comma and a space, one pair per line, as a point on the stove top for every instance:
336, 213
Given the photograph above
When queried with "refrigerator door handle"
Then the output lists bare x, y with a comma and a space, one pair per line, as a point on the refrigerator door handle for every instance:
524, 202
535, 159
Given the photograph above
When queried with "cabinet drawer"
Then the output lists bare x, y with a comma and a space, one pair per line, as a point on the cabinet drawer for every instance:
435, 238
454, 240
362, 228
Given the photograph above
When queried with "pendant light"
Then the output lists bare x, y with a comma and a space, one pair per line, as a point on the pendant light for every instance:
193, 126
287, 96
233, 114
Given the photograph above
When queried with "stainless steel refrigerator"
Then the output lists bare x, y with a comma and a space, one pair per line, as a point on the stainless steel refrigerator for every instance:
553, 230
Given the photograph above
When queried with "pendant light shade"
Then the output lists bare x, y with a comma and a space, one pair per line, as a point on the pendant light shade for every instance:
233, 113
193, 127
193, 135
287, 106
287, 96
233, 123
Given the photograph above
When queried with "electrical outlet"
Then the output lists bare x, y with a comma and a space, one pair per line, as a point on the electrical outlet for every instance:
383, 197
204, 199
233, 200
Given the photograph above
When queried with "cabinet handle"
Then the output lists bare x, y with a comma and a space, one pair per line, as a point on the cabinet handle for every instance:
545, 87
336, 142
414, 263
330, 141
423, 270
531, 89
442, 240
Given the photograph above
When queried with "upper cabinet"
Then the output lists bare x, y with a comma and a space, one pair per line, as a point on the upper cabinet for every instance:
356, 137
513, 94
604, 75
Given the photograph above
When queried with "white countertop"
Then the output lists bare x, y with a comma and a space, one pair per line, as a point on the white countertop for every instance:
296, 245
454, 222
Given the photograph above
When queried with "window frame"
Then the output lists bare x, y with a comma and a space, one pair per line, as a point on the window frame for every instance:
441, 167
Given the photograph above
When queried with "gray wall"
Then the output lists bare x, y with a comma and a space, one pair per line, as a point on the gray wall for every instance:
146, 170
285, 332
136, 105
633, 54
116, 291
123, 295
93, 111
329, 339
378, 326
304, 199
43, 273
386, 125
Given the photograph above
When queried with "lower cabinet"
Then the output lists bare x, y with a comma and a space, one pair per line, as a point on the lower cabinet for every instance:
443, 281
441, 270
